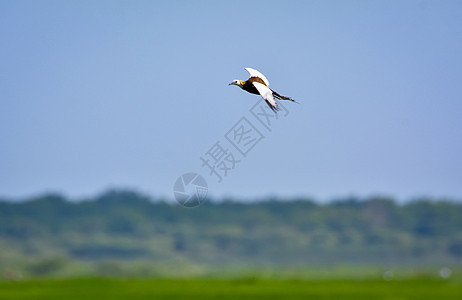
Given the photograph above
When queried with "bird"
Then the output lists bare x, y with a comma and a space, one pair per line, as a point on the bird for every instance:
259, 85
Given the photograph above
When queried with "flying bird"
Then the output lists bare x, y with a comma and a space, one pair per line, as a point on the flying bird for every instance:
259, 85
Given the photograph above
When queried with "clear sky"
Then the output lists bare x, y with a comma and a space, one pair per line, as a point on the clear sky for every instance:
131, 94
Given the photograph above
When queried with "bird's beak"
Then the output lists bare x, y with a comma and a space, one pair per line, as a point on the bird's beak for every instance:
232, 83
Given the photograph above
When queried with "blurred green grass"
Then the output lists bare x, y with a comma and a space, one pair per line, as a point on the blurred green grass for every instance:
247, 288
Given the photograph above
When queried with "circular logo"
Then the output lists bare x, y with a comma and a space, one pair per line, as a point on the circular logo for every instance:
190, 190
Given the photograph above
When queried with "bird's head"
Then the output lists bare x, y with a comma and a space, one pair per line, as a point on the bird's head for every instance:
237, 82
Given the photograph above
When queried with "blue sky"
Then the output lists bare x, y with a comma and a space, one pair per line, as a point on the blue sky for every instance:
130, 94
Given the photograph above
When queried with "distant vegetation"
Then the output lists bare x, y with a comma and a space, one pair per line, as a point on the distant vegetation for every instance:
125, 233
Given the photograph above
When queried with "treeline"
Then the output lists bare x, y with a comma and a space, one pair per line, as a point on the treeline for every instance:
124, 225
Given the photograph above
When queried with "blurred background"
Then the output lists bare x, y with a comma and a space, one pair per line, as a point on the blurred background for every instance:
104, 104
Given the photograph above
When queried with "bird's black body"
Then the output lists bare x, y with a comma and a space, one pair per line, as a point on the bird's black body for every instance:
249, 87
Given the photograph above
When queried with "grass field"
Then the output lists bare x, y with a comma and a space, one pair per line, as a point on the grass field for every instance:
230, 289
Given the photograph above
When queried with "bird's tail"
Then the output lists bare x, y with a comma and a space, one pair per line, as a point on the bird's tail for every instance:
279, 97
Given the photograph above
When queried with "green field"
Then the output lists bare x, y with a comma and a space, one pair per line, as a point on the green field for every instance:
250, 288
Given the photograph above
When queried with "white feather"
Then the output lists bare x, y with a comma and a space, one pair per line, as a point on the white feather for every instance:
255, 73
266, 94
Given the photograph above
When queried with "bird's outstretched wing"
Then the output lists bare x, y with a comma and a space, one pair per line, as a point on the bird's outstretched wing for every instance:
266, 94
255, 73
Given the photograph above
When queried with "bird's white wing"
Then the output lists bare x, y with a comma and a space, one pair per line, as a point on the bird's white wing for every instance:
266, 94
255, 73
